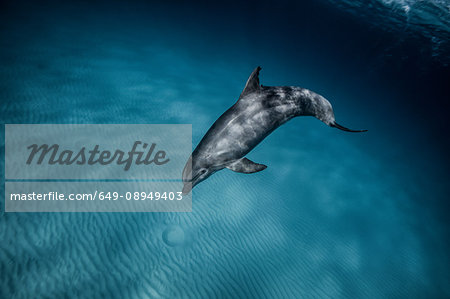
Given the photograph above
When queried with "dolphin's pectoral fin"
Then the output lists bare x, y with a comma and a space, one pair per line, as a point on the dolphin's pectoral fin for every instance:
244, 165
252, 84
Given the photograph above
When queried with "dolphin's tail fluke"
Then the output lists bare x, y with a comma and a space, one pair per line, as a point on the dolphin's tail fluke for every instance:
187, 188
336, 125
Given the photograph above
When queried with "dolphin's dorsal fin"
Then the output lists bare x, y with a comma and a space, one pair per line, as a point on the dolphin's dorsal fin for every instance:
252, 84
244, 165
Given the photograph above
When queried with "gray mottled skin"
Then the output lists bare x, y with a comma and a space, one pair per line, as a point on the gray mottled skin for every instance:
259, 111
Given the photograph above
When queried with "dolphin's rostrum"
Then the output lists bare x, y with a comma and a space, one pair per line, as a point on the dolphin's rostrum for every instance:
259, 110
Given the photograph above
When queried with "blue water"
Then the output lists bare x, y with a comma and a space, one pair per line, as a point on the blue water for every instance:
334, 215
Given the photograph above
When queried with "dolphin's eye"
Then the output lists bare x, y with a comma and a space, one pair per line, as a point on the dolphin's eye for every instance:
202, 171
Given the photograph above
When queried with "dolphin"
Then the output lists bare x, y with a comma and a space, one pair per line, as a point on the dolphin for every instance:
258, 111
